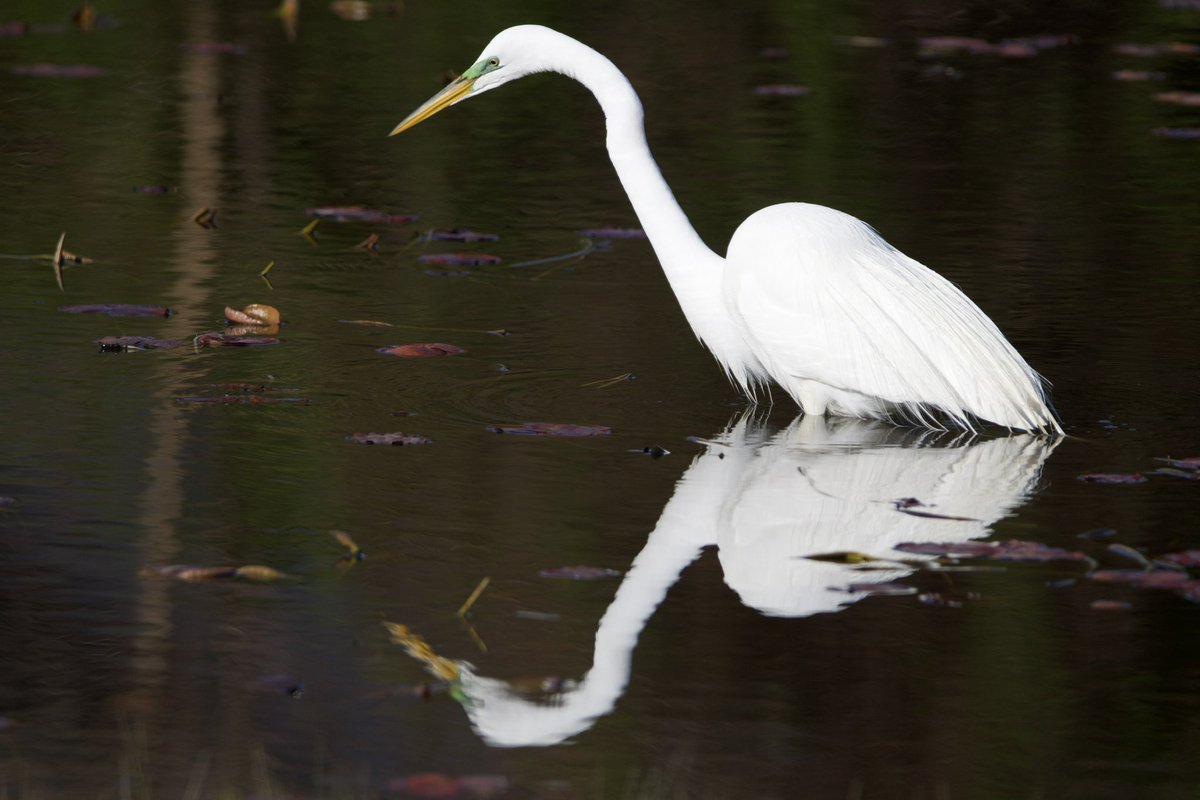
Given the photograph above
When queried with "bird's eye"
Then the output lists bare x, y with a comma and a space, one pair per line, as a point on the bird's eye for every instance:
493, 62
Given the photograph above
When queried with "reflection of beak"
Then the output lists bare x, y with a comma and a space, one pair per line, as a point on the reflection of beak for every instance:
447, 97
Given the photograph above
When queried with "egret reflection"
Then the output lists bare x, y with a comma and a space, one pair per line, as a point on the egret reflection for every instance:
767, 501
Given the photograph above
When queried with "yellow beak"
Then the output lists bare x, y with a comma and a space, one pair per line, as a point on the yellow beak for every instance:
447, 97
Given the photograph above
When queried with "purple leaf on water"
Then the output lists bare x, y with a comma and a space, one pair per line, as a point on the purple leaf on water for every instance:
59, 70
421, 350
550, 429
457, 235
458, 259
359, 214
613, 233
117, 310
579, 573
782, 90
117, 344
1011, 550
1113, 477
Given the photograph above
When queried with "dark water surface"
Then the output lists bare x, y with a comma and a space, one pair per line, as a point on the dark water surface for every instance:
720, 664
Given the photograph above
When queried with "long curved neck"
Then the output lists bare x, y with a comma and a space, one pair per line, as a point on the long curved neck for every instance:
672, 236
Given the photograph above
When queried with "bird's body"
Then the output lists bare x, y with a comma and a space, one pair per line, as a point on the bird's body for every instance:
807, 296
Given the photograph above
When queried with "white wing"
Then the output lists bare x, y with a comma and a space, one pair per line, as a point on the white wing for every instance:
848, 324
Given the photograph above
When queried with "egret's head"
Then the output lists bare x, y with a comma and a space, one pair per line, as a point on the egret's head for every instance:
514, 52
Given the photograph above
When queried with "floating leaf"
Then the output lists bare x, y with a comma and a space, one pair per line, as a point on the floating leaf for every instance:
223, 340
359, 214
1187, 475
579, 573
1012, 550
373, 322
117, 344
185, 572
152, 189
613, 233
253, 314
261, 574
58, 261
550, 429
1098, 533
458, 259
396, 439
1127, 552
212, 48
1113, 477
1110, 605
1153, 579
1186, 558
1179, 98
370, 244
1135, 75
1192, 463
59, 71
457, 235
782, 90
353, 551
421, 350
117, 310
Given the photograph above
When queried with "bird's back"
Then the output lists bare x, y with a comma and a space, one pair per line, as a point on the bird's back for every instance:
849, 325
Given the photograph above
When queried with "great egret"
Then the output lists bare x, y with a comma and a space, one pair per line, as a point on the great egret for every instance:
808, 296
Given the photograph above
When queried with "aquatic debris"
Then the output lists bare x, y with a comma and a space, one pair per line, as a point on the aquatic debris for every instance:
1192, 463
882, 589
1179, 98
457, 235
1011, 550
1128, 553
939, 600
360, 10
586, 248
604, 383
1185, 558
863, 41
782, 90
436, 784
213, 49
117, 344
421, 350
359, 214
152, 189
13, 29
282, 684
1021, 47
228, 340
1110, 605
1097, 533
654, 451
1151, 50
370, 244
255, 314
1187, 475
419, 649
538, 616
205, 218
396, 439
908, 505
1143, 579
59, 71
1135, 75
470, 601
254, 573
774, 53
579, 573
613, 233
117, 310
448, 273
550, 429
308, 230
354, 553
1113, 477
459, 259
373, 322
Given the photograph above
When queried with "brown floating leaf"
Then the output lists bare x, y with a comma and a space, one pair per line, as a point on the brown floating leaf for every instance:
421, 350
1113, 477
396, 439
1110, 605
359, 214
117, 344
222, 340
1011, 550
550, 429
185, 572
253, 314
579, 573
59, 70
458, 259
457, 235
117, 310
370, 244
261, 574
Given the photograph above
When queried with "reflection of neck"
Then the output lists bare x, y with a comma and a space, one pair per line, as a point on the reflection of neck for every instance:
687, 524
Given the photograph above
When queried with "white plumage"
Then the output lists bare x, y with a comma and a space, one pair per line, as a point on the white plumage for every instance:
809, 297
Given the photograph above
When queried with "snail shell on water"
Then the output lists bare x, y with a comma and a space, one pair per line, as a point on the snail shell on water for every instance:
253, 314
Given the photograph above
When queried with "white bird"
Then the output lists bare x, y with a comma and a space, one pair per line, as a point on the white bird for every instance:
808, 296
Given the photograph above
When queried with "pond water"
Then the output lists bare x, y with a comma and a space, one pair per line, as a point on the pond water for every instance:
718, 661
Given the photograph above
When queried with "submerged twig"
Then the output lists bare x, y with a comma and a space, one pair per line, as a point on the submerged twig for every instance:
474, 596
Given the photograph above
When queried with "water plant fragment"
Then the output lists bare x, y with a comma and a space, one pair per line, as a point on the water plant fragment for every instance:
579, 573
396, 439
421, 350
550, 429
117, 309
359, 214
458, 259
